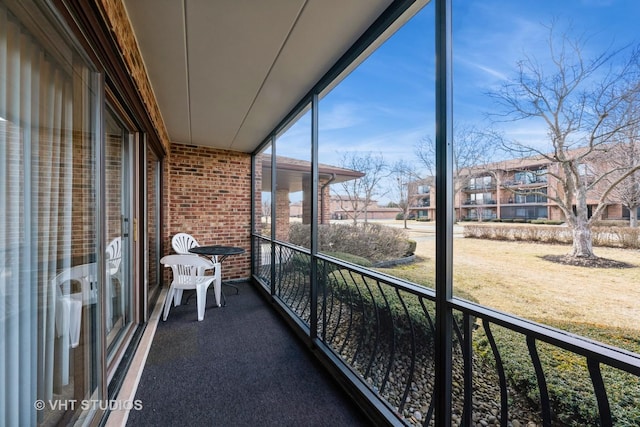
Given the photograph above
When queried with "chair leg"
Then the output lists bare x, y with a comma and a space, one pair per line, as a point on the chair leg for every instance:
167, 303
75, 322
201, 296
177, 297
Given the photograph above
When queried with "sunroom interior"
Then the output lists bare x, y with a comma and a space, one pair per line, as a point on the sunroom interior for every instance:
211, 118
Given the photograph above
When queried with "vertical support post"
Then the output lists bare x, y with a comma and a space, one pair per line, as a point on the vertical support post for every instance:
467, 351
274, 192
313, 271
444, 213
255, 247
99, 357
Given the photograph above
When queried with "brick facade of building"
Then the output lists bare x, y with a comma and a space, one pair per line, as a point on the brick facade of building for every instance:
208, 194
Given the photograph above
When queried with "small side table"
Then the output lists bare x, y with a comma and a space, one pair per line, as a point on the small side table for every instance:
219, 253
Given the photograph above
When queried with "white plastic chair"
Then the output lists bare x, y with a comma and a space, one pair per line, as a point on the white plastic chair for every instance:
182, 242
283, 254
114, 259
68, 309
188, 273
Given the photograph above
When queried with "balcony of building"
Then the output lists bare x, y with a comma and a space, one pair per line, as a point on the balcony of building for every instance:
479, 202
227, 371
401, 353
479, 188
537, 182
309, 339
354, 345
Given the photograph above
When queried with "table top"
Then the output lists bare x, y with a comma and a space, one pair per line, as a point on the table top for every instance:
217, 250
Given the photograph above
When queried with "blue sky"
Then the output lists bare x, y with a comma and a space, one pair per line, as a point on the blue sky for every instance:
386, 104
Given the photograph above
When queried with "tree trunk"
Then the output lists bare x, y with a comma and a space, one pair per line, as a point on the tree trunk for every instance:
582, 242
633, 216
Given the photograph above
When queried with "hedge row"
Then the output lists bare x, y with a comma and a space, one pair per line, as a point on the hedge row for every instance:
375, 242
518, 221
616, 237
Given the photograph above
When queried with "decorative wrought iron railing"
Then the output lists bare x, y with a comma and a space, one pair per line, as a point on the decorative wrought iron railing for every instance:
505, 369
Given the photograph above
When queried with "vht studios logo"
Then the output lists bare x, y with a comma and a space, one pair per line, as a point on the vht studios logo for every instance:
86, 405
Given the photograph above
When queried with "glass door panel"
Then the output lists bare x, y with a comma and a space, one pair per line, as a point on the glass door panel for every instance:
118, 287
49, 306
152, 247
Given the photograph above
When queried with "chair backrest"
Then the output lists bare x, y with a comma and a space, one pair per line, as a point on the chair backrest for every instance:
85, 274
283, 254
182, 242
186, 267
114, 255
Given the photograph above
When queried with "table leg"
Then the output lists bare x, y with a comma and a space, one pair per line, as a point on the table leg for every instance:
217, 283
233, 286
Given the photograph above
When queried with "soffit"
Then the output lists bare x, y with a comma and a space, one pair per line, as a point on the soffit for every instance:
226, 72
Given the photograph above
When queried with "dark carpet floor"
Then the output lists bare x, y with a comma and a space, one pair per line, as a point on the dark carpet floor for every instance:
240, 366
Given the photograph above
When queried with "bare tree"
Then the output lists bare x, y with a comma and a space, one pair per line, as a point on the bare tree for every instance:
265, 209
471, 147
579, 101
402, 175
625, 156
628, 192
360, 192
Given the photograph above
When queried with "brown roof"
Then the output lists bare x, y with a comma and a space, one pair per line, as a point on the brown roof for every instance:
290, 172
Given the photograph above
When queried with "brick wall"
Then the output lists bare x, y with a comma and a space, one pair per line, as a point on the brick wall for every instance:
613, 212
282, 215
324, 201
82, 197
113, 184
209, 197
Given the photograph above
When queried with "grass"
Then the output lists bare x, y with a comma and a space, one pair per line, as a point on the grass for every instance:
512, 277
598, 303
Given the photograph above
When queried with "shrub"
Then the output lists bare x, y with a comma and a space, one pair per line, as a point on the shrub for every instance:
622, 237
571, 391
375, 242
410, 316
401, 216
353, 259
411, 249
611, 223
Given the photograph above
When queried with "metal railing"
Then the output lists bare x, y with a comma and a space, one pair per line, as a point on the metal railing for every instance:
380, 330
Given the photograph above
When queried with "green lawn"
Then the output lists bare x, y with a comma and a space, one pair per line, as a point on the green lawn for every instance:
512, 277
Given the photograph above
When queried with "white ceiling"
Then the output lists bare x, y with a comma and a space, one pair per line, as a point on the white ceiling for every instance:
226, 72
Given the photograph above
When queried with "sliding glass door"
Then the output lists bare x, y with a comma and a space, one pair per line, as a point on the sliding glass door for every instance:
70, 186
118, 289
153, 269
50, 275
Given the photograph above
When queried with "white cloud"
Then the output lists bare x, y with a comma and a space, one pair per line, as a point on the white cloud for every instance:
340, 116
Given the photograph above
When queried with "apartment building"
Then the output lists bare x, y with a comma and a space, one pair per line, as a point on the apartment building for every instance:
517, 189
